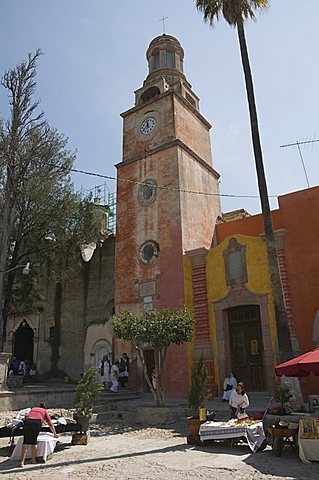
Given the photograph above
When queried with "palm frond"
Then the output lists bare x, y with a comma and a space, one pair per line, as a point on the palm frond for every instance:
233, 11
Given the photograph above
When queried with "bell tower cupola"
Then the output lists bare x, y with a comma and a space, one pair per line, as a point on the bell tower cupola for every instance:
165, 57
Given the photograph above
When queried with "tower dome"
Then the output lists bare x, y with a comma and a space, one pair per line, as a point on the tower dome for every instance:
165, 52
165, 57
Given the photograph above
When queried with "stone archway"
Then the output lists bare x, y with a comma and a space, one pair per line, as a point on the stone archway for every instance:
241, 296
23, 342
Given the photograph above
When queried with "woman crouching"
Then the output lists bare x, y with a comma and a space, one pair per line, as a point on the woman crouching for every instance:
31, 428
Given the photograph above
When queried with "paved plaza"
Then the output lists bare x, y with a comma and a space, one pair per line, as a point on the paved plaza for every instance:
116, 451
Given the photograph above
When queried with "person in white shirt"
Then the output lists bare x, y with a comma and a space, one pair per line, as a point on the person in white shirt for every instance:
114, 377
105, 370
230, 384
238, 400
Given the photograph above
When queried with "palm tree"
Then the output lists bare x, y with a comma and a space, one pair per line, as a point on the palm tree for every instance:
236, 12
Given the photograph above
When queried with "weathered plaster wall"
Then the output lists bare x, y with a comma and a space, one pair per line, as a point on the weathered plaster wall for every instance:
85, 300
217, 290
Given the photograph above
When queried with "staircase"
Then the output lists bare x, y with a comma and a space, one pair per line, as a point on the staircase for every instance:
119, 406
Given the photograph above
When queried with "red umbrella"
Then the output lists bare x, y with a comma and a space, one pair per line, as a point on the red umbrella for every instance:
300, 366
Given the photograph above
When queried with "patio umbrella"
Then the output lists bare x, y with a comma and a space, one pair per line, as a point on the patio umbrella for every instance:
300, 366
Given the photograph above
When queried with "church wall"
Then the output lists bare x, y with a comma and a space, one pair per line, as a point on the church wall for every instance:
199, 212
134, 143
159, 221
192, 131
297, 216
85, 299
300, 212
218, 292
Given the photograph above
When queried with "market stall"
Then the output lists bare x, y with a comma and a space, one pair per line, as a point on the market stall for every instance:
308, 432
252, 430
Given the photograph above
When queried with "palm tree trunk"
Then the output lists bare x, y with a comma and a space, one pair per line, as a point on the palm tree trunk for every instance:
284, 340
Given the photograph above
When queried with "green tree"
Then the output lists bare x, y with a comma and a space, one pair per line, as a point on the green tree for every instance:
157, 330
236, 12
42, 219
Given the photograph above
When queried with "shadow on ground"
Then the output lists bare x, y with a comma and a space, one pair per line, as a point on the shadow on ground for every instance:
10, 465
288, 465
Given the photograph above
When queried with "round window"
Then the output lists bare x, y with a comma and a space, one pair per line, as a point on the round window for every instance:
149, 251
147, 192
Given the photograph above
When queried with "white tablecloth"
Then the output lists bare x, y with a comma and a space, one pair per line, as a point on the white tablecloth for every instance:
308, 449
46, 445
219, 431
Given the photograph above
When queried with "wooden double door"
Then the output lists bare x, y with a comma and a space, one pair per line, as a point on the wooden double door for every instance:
246, 346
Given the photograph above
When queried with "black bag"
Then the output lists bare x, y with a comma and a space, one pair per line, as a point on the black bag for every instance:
228, 387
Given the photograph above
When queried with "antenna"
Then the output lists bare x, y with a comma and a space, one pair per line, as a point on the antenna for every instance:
163, 20
297, 144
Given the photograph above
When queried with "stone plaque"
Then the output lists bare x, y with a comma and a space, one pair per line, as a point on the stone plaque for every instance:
147, 289
235, 265
148, 307
148, 299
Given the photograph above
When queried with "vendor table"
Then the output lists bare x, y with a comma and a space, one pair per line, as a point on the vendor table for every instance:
45, 447
254, 433
308, 449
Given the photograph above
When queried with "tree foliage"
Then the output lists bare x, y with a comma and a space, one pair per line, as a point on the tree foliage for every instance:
155, 330
42, 219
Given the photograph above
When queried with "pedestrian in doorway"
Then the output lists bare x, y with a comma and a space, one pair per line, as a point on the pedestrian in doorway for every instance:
33, 373
105, 371
230, 384
124, 369
31, 428
238, 400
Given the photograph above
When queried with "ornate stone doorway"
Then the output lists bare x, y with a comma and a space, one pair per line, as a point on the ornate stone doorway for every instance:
227, 338
246, 346
23, 342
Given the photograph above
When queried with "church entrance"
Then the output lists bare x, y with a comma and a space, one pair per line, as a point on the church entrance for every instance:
23, 342
246, 346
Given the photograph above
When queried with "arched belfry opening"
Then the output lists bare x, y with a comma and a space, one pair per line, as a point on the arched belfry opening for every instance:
149, 93
23, 342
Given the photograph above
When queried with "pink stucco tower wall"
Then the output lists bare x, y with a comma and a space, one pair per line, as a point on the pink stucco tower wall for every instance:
166, 151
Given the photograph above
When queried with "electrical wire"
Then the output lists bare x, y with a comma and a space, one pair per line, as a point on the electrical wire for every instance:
161, 187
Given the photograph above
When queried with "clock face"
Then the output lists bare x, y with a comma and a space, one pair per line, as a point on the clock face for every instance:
147, 125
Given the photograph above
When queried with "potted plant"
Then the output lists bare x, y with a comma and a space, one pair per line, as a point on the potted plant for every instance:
87, 391
198, 394
283, 396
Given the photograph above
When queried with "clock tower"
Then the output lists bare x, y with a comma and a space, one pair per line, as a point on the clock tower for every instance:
166, 160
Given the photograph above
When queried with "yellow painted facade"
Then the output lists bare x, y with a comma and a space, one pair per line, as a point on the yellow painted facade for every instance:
217, 290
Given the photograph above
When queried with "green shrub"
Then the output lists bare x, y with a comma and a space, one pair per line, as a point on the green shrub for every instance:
199, 391
87, 390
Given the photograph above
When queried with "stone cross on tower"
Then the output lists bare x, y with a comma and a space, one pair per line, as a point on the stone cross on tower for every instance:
163, 20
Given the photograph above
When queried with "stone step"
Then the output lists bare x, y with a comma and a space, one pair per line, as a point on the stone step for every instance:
123, 416
108, 397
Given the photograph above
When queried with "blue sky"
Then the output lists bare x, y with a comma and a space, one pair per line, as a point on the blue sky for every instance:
94, 59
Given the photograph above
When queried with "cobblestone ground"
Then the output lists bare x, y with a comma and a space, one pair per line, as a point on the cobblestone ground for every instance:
156, 453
